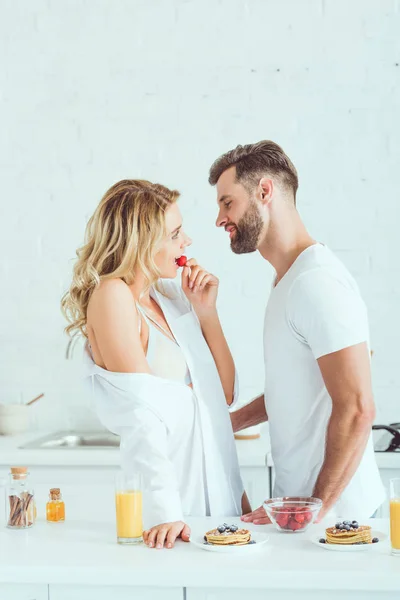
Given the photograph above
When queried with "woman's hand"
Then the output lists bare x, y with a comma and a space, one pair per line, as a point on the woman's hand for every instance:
166, 533
200, 287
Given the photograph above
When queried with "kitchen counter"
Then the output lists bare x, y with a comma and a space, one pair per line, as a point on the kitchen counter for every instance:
85, 552
251, 453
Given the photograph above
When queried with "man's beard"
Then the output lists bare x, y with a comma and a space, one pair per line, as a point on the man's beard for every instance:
248, 231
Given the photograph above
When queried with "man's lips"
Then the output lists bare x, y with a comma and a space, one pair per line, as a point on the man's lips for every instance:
231, 230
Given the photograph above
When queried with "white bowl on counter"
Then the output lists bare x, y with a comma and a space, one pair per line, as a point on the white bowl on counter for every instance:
14, 418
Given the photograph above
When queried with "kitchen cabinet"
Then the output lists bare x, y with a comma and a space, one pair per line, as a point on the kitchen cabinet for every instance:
249, 594
15, 591
256, 483
386, 475
93, 592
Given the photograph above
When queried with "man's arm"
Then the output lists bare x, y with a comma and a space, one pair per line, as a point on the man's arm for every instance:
347, 377
253, 413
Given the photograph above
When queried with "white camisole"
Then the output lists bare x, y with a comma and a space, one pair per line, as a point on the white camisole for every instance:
164, 356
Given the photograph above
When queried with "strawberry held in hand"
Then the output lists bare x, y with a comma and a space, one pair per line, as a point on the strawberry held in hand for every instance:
181, 261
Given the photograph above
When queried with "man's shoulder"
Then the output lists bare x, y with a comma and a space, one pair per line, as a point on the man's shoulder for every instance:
322, 268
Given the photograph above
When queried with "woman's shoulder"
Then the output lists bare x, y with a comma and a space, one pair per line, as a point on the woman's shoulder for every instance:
111, 294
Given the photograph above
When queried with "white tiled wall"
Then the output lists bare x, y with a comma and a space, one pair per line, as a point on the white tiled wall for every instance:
95, 91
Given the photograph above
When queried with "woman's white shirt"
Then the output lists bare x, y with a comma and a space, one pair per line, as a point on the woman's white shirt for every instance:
179, 438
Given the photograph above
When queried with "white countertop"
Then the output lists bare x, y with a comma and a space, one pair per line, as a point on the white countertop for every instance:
251, 453
85, 552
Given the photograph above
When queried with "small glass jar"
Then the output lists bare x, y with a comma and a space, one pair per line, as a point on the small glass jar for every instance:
55, 508
20, 500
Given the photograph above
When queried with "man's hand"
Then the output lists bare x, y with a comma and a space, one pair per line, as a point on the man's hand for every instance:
166, 533
258, 517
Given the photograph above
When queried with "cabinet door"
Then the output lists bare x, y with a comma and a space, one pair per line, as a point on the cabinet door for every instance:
234, 594
386, 475
115, 592
256, 484
16, 591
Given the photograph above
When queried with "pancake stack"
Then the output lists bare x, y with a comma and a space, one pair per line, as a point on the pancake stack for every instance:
228, 536
358, 535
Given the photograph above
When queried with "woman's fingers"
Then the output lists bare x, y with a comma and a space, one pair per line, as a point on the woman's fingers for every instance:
173, 533
185, 534
166, 534
201, 281
194, 271
151, 538
162, 534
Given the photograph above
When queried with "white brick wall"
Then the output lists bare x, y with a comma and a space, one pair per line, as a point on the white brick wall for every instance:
94, 91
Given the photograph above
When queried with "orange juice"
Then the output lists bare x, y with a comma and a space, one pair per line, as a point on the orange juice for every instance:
395, 523
129, 514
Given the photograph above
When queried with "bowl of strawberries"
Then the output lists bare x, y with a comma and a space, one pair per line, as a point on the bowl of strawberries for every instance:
292, 514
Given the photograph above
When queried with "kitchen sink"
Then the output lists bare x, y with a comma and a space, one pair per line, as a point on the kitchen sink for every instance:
73, 439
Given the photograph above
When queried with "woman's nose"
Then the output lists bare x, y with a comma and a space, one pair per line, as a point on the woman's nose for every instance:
187, 241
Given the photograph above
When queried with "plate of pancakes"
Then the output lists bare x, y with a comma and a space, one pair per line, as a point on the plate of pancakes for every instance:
349, 536
229, 539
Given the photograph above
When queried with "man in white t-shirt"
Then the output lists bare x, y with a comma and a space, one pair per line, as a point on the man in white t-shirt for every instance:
317, 397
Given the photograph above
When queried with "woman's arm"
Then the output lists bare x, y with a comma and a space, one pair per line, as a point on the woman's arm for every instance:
201, 289
214, 336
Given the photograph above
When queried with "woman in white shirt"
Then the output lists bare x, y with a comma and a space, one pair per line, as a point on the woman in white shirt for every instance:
158, 364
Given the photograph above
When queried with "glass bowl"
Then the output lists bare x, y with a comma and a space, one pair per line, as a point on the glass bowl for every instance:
292, 514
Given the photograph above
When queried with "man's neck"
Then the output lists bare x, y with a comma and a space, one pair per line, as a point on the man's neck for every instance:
284, 243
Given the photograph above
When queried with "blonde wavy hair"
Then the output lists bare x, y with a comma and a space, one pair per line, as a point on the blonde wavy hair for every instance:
123, 235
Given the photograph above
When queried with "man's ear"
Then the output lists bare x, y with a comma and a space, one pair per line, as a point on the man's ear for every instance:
266, 189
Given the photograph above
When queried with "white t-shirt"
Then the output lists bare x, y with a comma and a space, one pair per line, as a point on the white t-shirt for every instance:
315, 309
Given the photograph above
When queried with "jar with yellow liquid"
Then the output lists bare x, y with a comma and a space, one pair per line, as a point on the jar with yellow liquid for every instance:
395, 516
128, 506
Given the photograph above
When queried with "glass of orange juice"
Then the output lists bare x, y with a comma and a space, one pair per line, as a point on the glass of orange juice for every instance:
395, 515
128, 505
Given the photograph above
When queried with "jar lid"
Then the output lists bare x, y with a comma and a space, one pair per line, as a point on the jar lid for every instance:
55, 493
17, 472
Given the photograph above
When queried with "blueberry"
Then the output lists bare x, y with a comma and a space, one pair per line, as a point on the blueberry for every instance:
205, 538
354, 524
233, 528
341, 526
252, 542
207, 544
221, 528
375, 540
346, 522
225, 525
322, 541
337, 525
347, 527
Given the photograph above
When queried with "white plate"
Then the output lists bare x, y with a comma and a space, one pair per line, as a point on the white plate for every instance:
339, 548
261, 540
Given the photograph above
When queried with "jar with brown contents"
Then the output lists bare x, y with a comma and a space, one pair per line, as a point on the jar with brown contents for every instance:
20, 499
55, 508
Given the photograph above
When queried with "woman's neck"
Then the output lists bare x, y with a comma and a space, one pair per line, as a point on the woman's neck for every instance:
139, 291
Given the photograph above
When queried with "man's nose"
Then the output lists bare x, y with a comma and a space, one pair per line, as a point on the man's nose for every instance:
221, 221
